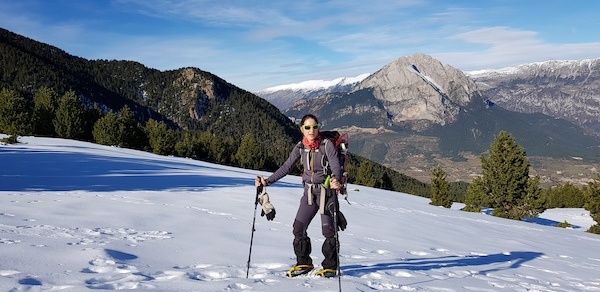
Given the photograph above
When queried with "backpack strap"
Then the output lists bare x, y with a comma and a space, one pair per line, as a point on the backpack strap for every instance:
324, 159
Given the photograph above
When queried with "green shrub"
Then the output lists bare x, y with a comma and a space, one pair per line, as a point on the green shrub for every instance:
564, 224
566, 196
594, 229
12, 139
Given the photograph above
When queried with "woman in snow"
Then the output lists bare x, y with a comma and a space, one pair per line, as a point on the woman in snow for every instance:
313, 152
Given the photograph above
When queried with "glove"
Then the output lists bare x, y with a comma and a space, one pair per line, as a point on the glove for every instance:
341, 219
267, 208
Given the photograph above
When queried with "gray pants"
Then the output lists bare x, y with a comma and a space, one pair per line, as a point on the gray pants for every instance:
307, 212
302, 245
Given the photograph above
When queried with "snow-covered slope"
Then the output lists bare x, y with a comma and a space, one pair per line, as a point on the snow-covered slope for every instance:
76, 216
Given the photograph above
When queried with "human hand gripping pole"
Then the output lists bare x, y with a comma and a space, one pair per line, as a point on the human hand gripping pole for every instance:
267, 208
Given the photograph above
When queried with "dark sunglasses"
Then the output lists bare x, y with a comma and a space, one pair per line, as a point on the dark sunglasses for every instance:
308, 127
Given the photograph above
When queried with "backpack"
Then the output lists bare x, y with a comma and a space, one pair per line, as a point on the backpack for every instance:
340, 140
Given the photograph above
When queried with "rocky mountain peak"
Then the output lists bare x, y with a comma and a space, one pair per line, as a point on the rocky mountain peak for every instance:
420, 88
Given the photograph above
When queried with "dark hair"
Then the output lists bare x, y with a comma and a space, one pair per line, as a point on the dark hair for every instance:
306, 117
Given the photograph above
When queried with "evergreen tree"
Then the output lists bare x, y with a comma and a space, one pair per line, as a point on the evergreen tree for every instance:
593, 203
248, 154
533, 203
505, 177
69, 121
44, 109
366, 174
92, 115
440, 195
187, 146
15, 116
203, 142
160, 137
106, 130
130, 133
565, 196
222, 149
476, 197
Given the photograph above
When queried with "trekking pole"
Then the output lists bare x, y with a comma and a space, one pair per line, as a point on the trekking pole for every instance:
337, 236
258, 191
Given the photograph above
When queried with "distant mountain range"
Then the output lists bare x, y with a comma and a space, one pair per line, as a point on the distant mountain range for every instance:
567, 89
562, 89
416, 106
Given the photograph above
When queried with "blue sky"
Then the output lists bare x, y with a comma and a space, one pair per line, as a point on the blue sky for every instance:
256, 44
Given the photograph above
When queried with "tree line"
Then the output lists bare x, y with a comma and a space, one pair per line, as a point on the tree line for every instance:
256, 143
506, 187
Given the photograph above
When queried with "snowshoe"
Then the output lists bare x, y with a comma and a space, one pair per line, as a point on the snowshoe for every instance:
326, 273
298, 270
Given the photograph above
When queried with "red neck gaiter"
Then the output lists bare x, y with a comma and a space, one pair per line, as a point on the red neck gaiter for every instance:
311, 145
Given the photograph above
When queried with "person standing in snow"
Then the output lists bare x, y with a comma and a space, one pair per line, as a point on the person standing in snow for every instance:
313, 152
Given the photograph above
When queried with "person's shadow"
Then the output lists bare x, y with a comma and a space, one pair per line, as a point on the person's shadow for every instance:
504, 260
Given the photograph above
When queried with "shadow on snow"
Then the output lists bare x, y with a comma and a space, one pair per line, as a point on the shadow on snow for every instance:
500, 261
34, 170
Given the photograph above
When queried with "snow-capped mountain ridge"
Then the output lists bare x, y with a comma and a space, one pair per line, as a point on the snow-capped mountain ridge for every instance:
568, 89
284, 96
311, 85
529, 67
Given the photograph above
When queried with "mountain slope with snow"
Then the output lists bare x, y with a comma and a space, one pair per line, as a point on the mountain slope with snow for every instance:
76, 216
567, 89
284, 96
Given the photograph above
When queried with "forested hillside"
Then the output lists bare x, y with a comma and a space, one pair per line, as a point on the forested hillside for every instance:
186, 112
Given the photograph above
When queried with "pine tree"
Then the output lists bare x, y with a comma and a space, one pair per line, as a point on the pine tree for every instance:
248, 154
160, 137
566, 196
505, 177
367, 174
533, 203
593, 203
15, 117
476, 197
44, 109
69, 121
130, 133
440, 195
106, 130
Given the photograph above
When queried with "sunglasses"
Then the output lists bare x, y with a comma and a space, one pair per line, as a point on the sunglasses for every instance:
308, 127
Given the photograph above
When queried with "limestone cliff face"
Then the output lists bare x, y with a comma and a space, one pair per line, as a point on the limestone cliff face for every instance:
415, 92
420, 88
196, 91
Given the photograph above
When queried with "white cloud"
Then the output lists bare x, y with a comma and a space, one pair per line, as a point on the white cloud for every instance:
507, 46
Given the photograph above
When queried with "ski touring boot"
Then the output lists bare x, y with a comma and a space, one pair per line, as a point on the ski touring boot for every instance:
298, 270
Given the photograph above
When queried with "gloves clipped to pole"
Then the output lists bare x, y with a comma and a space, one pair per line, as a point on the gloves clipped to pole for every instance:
334, 209
267, 208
